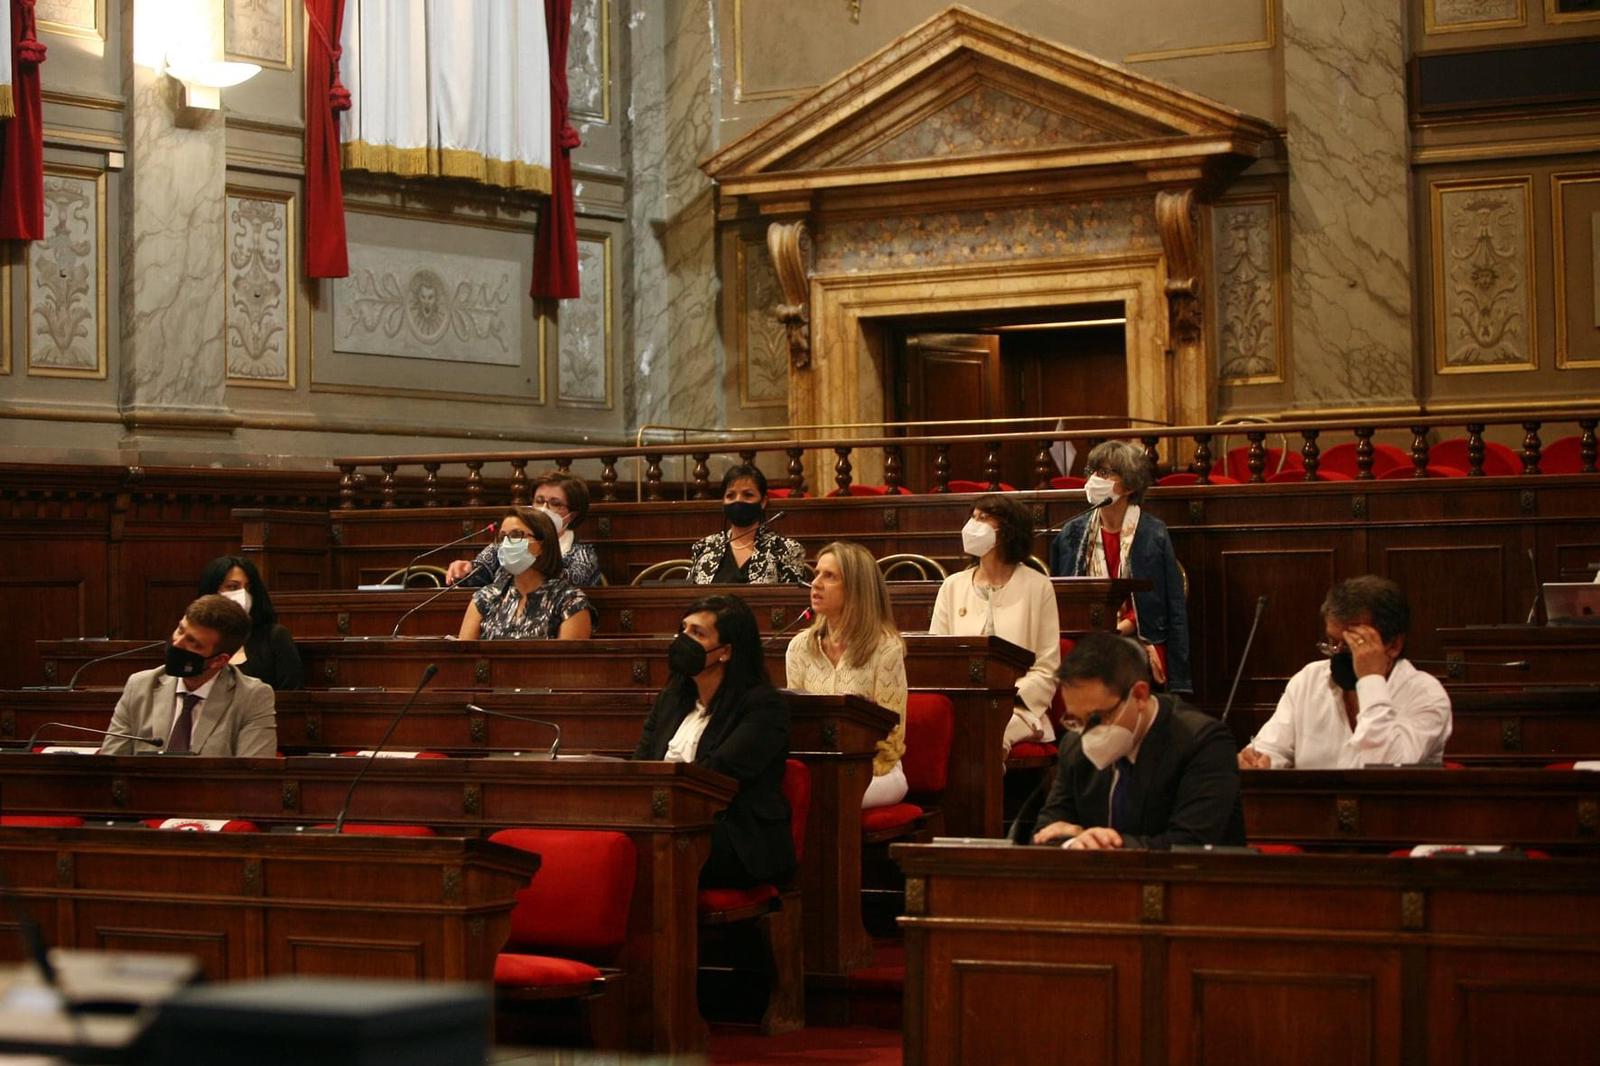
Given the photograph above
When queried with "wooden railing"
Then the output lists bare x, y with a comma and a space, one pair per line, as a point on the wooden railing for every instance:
1196, 441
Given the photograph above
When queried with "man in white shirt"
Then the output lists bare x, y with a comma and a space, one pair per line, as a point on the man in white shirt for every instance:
1363, 704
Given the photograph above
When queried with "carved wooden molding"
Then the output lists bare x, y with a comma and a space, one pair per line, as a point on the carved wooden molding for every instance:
1175, 217
790, 248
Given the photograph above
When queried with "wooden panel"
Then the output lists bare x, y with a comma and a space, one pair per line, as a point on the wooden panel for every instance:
43, 604
1293, 579
1308, 1019
401, 960
1449, 583
1504, 1007
206, 937
1005, 997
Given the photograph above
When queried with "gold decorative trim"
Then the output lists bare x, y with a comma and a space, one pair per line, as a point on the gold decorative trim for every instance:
1555, 18
1558, 185
1432, 27
1413, 911
1280, 258
84, 100
61, 137
8, 108
1506, 150
97, 32
445, 163
1153, 903
916, 895
291, 274
290, 8
1269, 19
1436, 191
604, 117
607, 312
99, 373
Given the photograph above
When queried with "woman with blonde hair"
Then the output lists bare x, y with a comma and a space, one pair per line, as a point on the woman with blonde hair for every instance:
853, 648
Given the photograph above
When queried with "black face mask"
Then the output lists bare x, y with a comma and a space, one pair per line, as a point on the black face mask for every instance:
1343, 663
181, 662
742, 514
687, 656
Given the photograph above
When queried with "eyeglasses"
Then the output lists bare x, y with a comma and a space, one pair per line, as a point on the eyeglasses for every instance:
515, 535
558, 506
1330, 648
1093, 718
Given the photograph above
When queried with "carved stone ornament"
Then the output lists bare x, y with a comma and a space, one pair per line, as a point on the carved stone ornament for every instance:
790, 249
1175, 217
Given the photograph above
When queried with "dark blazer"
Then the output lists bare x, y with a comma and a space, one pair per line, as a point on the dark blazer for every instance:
1163, 612
748, 740
271, 657
1186, 784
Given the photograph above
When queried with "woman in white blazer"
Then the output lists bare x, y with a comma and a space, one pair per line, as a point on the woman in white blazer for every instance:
1000, 595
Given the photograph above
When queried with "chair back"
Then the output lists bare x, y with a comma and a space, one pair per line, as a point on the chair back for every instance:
797, 790
921, 567
1564, 456
665, 570
42, 821
1237, 463
958, 485
1187, 477
1498, 460
930, 724
1341, 459
578, 901
1406, 473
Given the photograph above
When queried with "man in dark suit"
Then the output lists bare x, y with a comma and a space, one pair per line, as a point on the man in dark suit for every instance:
196, 702
1136, 770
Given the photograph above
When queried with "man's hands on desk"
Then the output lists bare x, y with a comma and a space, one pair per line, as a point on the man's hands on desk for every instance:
1098, 838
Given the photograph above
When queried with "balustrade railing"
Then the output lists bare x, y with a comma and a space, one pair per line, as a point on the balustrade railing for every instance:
1193, 442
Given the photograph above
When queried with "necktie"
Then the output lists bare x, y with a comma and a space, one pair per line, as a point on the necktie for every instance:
1122, 797
184, 726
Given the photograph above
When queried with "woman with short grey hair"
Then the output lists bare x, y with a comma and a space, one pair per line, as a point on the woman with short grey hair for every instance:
1115, 538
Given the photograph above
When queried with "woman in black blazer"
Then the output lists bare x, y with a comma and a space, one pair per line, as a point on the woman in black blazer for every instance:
269, 654
720, 711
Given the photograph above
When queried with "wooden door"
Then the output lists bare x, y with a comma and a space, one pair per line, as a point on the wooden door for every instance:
1060, 373
947, 376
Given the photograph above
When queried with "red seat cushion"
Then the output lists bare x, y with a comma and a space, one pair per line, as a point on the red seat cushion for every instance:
512, 970
797, 790
1029, 749
1564, 456
1341, 458
1498, 460
1279, 849
1237, 464
203, 825
977, 486
42, 821
930, 724
729, 899
1403, 473
578, 901
1284, 477
1186, 478
884, 819
1067, 481
367, 829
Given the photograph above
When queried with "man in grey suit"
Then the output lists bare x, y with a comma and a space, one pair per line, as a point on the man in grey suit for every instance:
196, 702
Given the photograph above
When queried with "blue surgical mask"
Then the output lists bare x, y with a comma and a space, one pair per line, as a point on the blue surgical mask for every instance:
515, 555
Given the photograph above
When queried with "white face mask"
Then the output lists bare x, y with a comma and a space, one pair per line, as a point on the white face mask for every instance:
978, 538
241, 597
1106, 743
1099, 490
515, 555
557, 520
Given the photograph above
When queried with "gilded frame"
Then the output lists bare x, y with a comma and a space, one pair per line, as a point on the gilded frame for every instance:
743, 247
291, 286
607, 310
1558, 185
604, 117
96, 32
1436, 191
1274, 199
1433, 28
334, 388
289, 9
1556, 18
65, 170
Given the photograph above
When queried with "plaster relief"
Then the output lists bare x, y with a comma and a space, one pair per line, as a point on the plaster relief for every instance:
588, 65
70, 14
584, 367
66, 299
415, 304
1244, 239
1451, 14
1483, 289
254, 30
983, 121
764, 338
260, 335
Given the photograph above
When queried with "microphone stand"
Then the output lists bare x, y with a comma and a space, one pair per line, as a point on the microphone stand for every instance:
406, 577
1261, 608
427, 675
448, 588
554, 748
804, 616
73, 681
85, 729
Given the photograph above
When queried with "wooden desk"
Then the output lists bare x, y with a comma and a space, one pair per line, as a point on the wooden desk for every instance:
667, 808
1556, 655
978, 674
1044, 955
266, 904
1382, 808
1085, 604
1536, 725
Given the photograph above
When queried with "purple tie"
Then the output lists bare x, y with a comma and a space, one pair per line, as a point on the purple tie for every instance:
184, 726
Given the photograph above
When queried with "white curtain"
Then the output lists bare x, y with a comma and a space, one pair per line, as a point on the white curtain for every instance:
8, 107
449, 88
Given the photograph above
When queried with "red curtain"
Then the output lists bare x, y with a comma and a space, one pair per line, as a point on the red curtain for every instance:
326, 255
555, 249
22, 175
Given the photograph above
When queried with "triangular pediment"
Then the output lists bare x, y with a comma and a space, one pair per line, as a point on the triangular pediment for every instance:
963, 87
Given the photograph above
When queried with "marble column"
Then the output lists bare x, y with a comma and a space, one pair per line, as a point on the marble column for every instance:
677, 357
173, 366
1349, 203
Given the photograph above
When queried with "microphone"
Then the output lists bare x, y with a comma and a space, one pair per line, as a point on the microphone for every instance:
554, 748
1261, 607
1514, 664
73, 681
1538, 591
427, 675
395, 632
406, 577
763, 524
85, 729
804, 616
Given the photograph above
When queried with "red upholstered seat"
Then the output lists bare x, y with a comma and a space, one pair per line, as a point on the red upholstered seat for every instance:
1030, 749
1341, 458
544, 971
1498, 460
394, 754
203, 825
578, 901
1185, 477
717, 901
930, 724
1067, 481
1284, 477
1279, 849
369, 829
1568, 765
42, 821
890, 819
1237, 464
871, 490
1405, 473
958, 485
1564, 456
